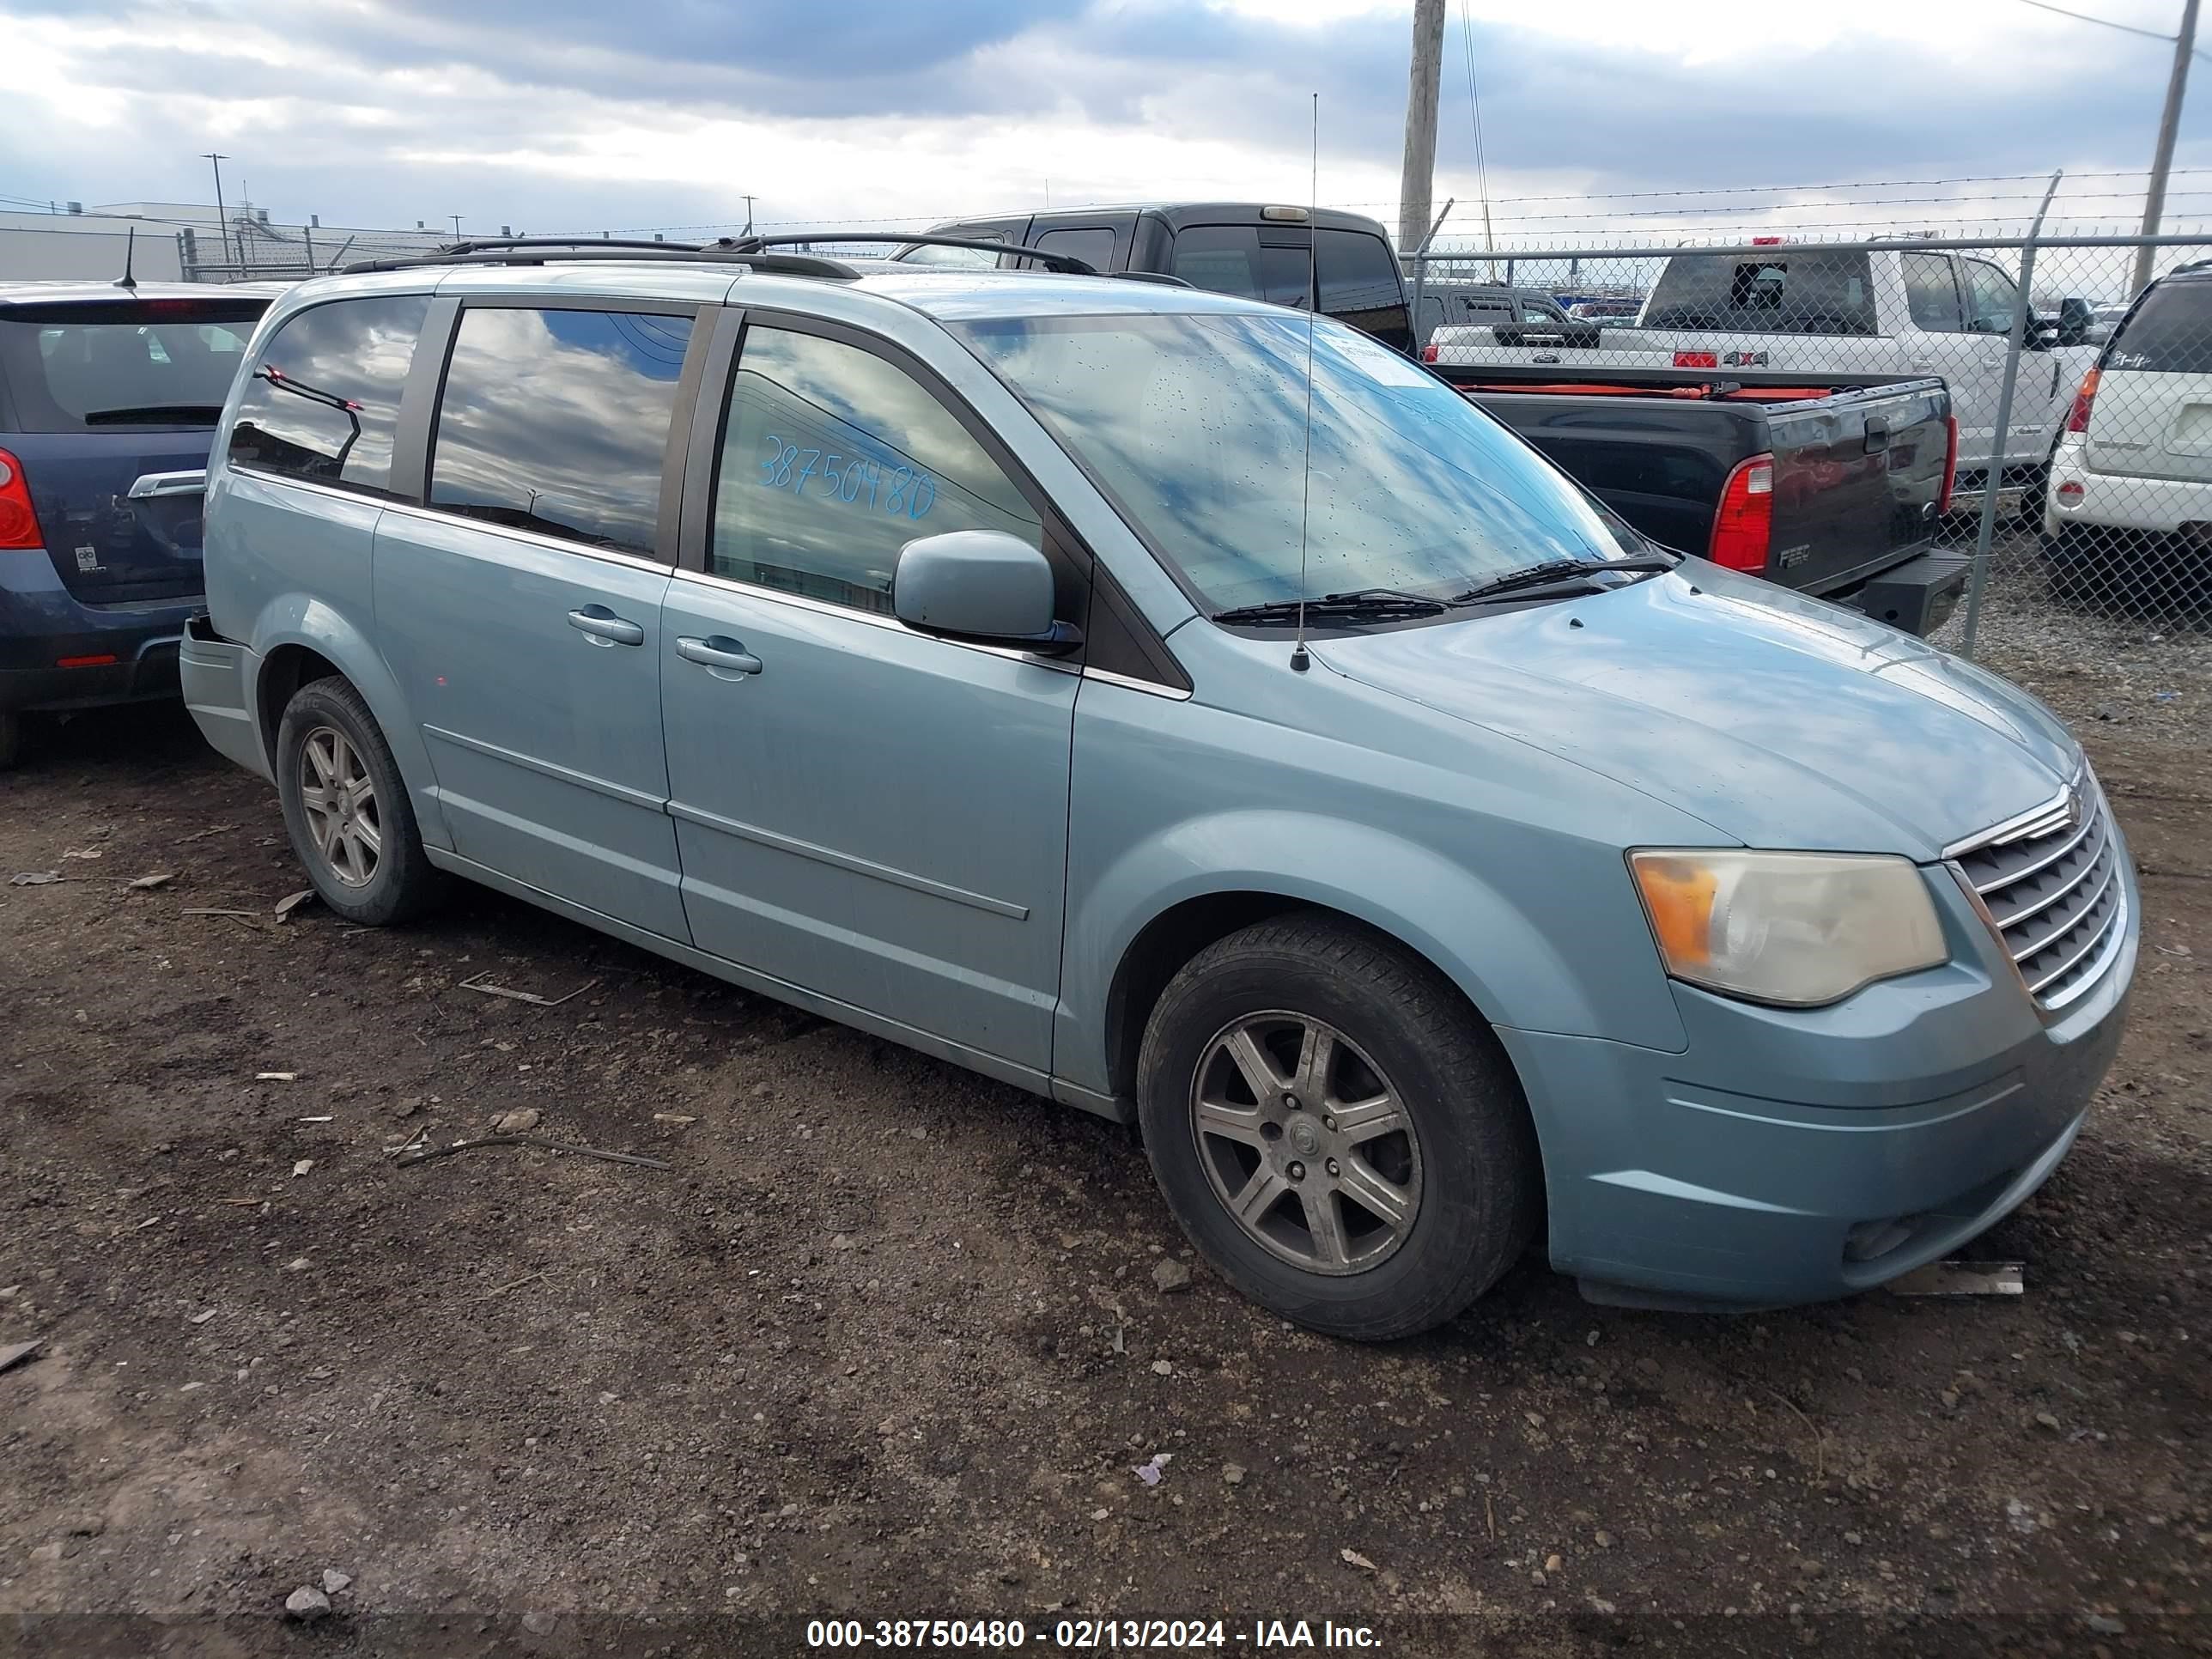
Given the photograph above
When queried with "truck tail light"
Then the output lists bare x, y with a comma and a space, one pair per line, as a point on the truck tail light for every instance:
1696, 360
1428, 353
1745, 522
2077, 418
1950, 463
19, 519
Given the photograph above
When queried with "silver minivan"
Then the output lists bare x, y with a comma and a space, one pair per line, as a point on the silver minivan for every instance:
1188, 712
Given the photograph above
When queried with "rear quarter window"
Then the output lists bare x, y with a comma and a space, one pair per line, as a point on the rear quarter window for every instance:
556, 421
2171, 332
1093, 245
1795, 291
322, 402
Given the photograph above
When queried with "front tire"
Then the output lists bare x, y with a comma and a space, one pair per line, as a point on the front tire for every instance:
347, 809
1335, 1129
11, 740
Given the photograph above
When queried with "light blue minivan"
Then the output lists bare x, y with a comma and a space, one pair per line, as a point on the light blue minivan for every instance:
925, 649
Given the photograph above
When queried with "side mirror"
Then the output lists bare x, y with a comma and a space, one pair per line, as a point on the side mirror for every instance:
2075, 319
2041, 334
980, 585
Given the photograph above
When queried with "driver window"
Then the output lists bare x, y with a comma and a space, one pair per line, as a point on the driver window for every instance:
833, 459
1991, 298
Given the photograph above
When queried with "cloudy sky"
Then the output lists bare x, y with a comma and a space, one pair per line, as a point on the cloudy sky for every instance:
665, 113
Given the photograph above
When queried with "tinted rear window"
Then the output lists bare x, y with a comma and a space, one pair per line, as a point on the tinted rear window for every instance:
324, 401
1800, 291
1357, 272
555, 421
2171, 332
1231, 259
109, 366
1093, 245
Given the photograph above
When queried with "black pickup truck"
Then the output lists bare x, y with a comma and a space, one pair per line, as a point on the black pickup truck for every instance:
1835, 492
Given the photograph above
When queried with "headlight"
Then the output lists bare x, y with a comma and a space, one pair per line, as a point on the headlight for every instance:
1799, 928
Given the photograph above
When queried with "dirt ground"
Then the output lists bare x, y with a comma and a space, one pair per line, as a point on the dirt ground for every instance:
886, 1339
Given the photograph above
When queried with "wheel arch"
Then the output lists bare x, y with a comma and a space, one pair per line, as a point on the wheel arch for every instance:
298, 640
1121, 955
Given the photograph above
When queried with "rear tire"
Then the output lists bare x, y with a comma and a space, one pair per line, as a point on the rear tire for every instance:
1387, 1183
347, 812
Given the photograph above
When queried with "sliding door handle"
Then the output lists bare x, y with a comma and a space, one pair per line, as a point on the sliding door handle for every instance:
718, 651
605, 627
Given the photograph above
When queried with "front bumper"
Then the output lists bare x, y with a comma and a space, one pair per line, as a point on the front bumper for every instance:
1793, 1156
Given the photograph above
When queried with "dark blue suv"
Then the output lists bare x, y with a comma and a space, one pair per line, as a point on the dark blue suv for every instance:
99, 386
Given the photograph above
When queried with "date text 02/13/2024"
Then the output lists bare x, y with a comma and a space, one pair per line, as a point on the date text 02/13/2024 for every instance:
1087, 1635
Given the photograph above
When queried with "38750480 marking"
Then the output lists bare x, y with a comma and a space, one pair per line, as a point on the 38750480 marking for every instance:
851, 480
1077, 1635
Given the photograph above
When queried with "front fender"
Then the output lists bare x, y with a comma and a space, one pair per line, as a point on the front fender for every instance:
297, 619
1485, 935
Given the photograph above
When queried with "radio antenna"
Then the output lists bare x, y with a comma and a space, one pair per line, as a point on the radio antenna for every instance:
1299, 660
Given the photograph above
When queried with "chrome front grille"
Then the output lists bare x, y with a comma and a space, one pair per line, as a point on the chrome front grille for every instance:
2053, 885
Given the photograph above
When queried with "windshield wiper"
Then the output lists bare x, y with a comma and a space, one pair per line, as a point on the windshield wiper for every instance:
1363, 604
163, 414
1566, 576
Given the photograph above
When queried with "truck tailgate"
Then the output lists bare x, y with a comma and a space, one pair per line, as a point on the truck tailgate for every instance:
1857, 478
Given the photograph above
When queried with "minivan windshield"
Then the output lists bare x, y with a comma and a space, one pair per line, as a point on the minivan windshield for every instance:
1196, 424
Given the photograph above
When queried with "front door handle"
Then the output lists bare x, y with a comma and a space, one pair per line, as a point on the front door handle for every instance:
718, 651
605, 627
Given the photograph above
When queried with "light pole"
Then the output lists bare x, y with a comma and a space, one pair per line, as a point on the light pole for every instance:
456, 218
221, 217
2184, 45
747, 230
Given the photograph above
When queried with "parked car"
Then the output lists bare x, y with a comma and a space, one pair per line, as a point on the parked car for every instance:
1511, 316
100, 385
2132, 479
1250, 249
1838, 494
988, 662
1849, 317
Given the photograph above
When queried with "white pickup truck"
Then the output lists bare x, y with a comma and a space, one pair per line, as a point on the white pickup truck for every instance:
1801, 313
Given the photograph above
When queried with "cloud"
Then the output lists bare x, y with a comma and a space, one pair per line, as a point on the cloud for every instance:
576, 114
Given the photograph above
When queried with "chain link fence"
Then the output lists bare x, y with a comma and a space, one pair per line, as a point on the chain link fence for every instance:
2079, 369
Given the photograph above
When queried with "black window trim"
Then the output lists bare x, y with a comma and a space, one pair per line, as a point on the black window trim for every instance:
416, 440
398, 480
1063, 546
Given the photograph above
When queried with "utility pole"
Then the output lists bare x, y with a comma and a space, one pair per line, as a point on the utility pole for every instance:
222, 218
2185, 46
456, 218
747, 230
1416, 184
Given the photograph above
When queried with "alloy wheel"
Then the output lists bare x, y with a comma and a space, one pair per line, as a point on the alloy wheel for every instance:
1306, 1143
339, 798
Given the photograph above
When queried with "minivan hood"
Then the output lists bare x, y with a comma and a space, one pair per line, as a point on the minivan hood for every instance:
1780, 720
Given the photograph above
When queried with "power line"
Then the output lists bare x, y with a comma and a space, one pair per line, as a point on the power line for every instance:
1475, 110
2101, 22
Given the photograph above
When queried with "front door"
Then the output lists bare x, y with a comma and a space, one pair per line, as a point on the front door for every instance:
862, 811
521, 612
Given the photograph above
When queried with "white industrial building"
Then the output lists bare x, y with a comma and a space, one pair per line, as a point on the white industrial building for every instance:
172, 241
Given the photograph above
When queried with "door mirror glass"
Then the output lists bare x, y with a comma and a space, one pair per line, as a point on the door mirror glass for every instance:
2076, 318
981, 585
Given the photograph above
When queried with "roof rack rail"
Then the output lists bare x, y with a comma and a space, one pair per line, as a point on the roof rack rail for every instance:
546, 250
1066, 264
